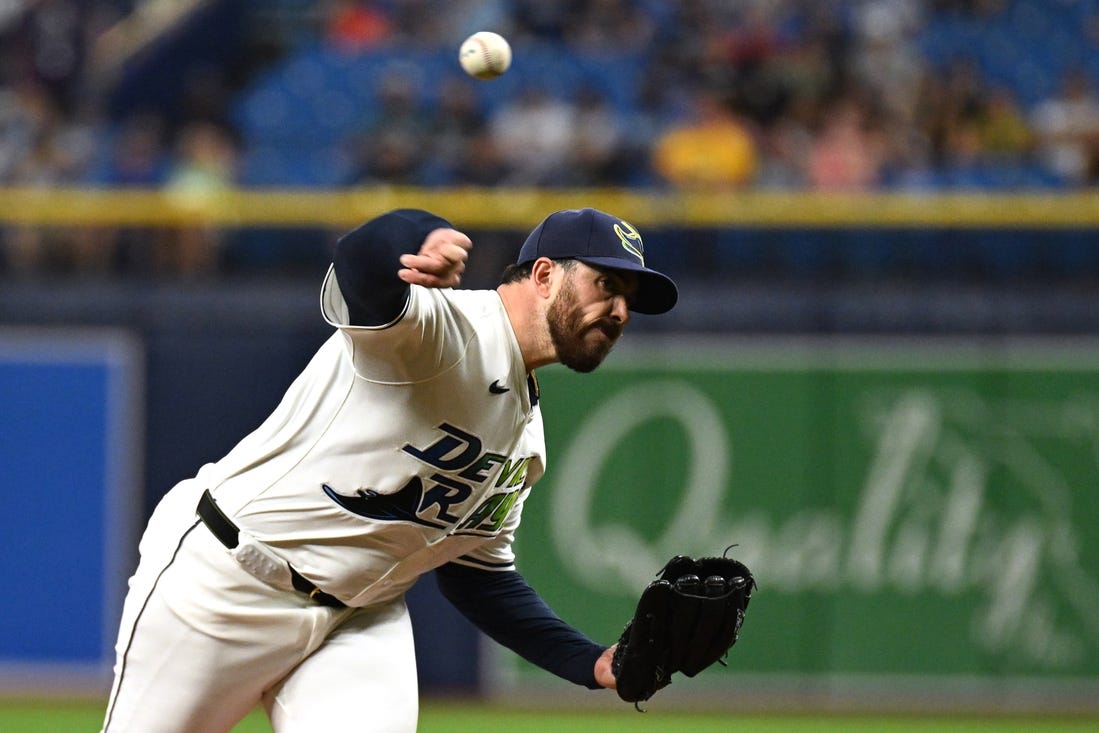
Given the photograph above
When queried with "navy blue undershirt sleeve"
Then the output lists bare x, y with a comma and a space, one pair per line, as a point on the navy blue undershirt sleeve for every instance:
507, 609
366, 261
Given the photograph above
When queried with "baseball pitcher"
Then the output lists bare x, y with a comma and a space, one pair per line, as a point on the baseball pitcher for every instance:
409, 443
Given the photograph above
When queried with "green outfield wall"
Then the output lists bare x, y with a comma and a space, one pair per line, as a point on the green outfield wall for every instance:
918, 511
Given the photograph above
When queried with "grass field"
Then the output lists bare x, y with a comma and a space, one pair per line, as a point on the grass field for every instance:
53, 717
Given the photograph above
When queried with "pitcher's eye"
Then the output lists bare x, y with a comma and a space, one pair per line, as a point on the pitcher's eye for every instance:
612, 287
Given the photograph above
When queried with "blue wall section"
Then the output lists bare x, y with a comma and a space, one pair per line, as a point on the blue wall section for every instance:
69, 448
53, 446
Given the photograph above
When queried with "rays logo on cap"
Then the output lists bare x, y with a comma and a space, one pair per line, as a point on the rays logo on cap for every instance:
631, 239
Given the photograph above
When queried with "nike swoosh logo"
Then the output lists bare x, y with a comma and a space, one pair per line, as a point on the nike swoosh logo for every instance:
496, 388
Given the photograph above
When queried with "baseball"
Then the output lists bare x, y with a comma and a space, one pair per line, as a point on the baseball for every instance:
485, 55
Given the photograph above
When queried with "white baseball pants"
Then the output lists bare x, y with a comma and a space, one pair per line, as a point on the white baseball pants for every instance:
202, 642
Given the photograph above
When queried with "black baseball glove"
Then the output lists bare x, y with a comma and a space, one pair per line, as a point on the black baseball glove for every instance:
686, 620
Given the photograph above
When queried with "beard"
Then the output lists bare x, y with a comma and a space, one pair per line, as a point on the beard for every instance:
579, 347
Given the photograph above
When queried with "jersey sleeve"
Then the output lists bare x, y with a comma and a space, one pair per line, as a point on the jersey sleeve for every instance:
367, 258
395, 332
427, 336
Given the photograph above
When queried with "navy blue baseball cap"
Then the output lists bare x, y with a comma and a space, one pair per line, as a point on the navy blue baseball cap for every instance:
601, 240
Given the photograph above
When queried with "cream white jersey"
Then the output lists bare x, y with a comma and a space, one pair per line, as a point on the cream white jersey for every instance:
397, 449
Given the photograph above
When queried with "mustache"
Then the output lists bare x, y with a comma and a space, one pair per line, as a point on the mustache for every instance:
611, 328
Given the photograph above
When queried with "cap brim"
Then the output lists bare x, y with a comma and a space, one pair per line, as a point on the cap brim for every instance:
656, 292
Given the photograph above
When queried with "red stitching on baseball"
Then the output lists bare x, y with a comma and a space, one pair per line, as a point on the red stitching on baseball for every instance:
485, 53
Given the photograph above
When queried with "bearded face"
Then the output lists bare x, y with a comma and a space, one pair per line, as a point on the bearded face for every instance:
582, 342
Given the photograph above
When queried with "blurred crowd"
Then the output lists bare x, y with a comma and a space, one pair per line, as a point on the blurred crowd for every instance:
774, 94
824, 95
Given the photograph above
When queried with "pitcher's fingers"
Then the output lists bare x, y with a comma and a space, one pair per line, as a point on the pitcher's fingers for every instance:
437, 261
450, 244
447, 279
434, 264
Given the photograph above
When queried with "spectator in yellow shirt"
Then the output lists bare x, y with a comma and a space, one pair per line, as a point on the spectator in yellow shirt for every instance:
714, 149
